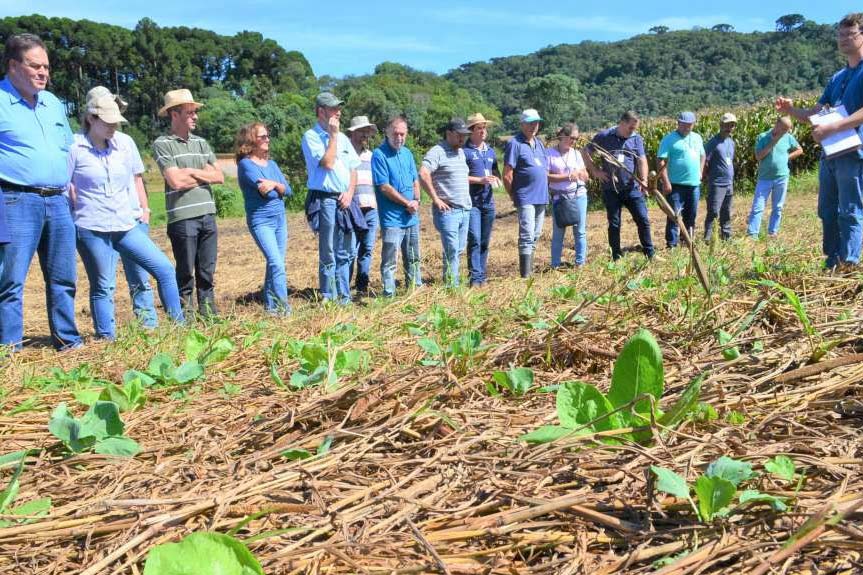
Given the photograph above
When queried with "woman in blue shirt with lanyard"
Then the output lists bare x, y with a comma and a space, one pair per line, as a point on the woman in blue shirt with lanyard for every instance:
483, 177
103, 172
264, 189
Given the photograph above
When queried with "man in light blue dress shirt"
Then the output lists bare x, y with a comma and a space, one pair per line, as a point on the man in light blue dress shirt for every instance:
34, 145
331, 164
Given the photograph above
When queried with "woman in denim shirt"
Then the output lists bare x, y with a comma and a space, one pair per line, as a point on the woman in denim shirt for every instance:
264, 189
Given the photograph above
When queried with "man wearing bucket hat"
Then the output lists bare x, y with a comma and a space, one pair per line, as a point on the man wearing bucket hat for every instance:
360, 133
137, 278
444, 174
681, 162
719, 169
34, 148
331, 164
188, 165
525, 177
103, 172
483, 176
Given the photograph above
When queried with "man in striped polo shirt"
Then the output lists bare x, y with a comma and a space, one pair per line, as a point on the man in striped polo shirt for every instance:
360, 132
189, 168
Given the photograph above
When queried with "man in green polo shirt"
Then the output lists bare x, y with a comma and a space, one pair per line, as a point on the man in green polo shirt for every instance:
189, 168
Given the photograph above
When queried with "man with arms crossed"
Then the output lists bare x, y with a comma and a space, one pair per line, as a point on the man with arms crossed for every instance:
840, 179
189, 168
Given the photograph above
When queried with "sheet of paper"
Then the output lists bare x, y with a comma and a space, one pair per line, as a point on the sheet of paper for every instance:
840, 142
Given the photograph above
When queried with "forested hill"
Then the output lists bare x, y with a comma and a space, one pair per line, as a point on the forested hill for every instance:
656, 74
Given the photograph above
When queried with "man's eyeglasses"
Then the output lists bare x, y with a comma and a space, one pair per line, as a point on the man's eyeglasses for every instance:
847, 35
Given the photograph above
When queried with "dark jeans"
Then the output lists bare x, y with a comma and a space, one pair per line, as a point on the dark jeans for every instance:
685, 198
719, 198
194, 245
478, 240
634, 201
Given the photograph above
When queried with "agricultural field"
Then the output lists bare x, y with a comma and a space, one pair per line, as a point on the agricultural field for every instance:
611, 419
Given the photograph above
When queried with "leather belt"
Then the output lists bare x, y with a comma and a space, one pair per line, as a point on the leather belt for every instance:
45, 192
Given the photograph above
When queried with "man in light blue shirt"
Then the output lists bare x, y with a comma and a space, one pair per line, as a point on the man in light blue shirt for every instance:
681, 162
773, 150
34, 144
331, 164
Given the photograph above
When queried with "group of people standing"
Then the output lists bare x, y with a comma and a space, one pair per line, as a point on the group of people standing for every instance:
86, 190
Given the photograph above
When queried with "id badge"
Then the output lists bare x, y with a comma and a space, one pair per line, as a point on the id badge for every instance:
487, 172
537, 161
621, 158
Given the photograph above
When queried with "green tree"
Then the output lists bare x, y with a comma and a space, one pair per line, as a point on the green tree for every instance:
558, 98
789, 22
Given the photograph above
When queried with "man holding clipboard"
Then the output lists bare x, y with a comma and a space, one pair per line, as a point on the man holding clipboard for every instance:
840, 193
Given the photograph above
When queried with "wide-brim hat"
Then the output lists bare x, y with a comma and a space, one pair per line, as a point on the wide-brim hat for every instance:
475, 119
686, 118
361, 122
177, 98
106, 109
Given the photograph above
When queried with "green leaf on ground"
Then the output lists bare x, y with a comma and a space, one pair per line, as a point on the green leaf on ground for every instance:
670, 482
755, 496
781, 466
202, 553
580, 403
731, 470
714, 496
637, 370
687, 401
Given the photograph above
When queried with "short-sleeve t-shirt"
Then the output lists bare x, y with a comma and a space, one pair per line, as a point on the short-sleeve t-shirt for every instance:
365, 189
248, 174
564, 164
684, 155
396, 168
449, 171
775, 165
846, 88
530, 170
720, 160
627, 151
481, 161
173, 152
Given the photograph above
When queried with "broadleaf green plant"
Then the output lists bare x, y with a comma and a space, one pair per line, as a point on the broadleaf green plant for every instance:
517, 381
200, 553
637, 385
100, 430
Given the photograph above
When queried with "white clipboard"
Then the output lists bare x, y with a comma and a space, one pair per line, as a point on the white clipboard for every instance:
839, 142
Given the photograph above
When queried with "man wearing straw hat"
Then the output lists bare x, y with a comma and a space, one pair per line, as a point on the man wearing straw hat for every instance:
34, 149
189, 168
360, 132
444, 176
483, 176
331, 164
137, 278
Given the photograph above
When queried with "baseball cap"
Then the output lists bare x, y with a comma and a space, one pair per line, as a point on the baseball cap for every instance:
529, 116
105, 107
686, 118
327, 100
728, 118
457, 125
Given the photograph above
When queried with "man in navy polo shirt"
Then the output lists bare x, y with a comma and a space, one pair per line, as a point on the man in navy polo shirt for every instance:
719, 170
525, 177
34, 146
619, 188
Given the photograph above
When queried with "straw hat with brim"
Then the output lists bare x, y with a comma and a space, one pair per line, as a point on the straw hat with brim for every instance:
106, 109
99, 91
361, 122
477, 118
177, 98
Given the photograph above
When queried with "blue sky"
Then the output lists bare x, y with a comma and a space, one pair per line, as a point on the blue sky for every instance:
352, 37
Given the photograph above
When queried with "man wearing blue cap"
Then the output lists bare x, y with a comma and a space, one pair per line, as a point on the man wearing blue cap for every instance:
681, 162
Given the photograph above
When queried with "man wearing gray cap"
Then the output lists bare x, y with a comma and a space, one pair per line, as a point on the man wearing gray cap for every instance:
331, 164
444, 176
681, 163
360, 132
719, 170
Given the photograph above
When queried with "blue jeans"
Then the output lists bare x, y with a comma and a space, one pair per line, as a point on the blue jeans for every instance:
634, 201
478, 241
840, 207
776, 189
335, 251
408, 239
685, 197
719, 199
363, 249
530, 219
452, 226
579, 232
98, 254
270, 232
40, 226
140, 290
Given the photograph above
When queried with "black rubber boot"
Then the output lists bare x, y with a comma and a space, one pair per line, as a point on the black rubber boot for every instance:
525, 264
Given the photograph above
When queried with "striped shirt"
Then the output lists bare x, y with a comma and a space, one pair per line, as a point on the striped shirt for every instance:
172, 152
365, 190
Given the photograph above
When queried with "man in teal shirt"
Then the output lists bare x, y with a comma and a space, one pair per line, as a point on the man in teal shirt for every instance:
773, 150
681, 162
